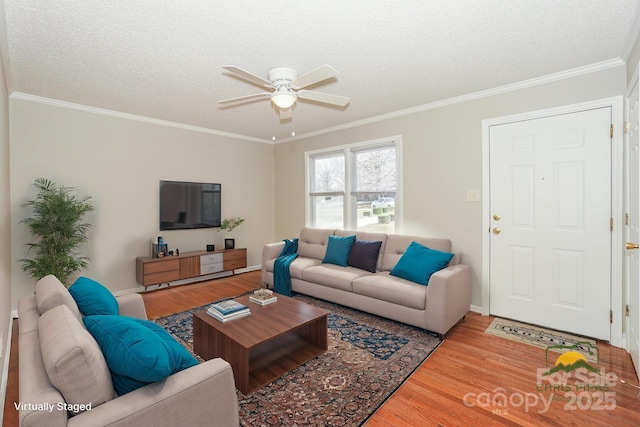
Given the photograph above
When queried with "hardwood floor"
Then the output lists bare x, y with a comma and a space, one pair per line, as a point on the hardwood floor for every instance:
456, 384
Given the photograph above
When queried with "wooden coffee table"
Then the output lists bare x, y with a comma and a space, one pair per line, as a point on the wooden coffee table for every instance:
263, 346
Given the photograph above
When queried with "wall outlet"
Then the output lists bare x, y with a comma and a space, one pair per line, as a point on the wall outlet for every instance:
473, 195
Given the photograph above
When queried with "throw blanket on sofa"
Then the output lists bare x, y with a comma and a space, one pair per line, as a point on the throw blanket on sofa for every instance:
281, 273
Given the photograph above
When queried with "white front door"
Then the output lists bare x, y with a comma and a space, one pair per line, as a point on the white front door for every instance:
632, 231
550, 208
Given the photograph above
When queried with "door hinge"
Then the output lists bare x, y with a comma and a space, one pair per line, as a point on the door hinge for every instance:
611, 130
626, 219
627, 127
626, 310
611, 224
610, 316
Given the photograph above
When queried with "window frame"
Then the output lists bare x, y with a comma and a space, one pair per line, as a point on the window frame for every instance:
349, 151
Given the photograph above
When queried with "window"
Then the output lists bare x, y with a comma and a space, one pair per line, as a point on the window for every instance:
355, 187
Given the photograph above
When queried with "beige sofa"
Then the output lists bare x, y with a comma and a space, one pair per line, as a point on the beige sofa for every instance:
436, 307
55, 348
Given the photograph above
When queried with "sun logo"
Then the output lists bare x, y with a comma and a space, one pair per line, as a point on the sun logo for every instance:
570, 361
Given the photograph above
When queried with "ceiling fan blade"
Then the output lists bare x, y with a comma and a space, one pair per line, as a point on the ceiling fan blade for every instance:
244, 98
248, 76
325, 98
319, 74
286, 113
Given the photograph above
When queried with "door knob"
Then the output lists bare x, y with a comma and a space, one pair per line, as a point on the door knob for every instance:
496, 230
496, 217
630, 245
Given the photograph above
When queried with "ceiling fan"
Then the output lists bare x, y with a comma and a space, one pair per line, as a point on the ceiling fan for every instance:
287, 87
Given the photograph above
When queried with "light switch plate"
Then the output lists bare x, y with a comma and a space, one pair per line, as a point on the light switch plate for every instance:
473, 195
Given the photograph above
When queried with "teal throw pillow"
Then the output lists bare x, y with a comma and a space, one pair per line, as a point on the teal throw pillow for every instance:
138, 352
338, 250
419, 262
92, 298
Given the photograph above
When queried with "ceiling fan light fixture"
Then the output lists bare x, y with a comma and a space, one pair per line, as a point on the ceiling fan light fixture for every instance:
283, 98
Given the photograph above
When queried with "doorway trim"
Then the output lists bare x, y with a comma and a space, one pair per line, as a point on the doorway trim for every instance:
616, 104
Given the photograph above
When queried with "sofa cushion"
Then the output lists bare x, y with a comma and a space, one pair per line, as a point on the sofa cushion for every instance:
73, 359
312, 242
397, 244
364, 255
391, 289
419, 262
333, 276
338, 250
300, 264
50, 293
93, 298
138, 352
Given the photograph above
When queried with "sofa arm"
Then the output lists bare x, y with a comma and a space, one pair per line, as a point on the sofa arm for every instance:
200, 395
271, 251
448, 297
132, 305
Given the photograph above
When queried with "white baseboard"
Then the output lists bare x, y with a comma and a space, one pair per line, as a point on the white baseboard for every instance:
475, 308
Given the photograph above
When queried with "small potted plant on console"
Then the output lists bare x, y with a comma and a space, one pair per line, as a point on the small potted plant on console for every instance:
228, 224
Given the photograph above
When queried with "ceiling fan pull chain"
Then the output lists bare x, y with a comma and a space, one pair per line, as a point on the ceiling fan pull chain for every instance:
273, 125
293, 124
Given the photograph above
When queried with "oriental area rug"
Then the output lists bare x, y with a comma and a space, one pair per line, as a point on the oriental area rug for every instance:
368, 358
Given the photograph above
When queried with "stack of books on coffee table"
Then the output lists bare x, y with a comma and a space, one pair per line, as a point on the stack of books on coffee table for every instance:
228, 310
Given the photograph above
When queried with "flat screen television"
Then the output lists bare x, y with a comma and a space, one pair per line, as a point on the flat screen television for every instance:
189, 205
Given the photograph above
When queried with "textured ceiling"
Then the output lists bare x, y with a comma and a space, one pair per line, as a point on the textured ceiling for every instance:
163, 59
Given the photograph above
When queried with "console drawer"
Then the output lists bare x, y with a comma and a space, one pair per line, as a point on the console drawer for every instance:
161, 266
211, 259
211, 268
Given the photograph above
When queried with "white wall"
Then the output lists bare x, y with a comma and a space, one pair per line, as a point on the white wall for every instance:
442, 158
119, 163
5, 226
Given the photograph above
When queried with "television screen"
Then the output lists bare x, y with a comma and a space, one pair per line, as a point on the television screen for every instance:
188, 205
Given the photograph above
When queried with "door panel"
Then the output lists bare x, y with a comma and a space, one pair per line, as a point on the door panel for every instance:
632, 231
550, 250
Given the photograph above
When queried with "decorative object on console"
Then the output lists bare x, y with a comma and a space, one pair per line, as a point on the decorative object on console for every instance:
159, 249
228, 225
56, 224
211, 248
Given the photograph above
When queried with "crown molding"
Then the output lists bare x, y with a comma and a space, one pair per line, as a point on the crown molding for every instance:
101, 111
575, 72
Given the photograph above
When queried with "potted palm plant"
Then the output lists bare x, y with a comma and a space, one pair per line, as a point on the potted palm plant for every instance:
57, 226
227, 225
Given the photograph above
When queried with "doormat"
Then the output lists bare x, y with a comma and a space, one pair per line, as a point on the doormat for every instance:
548, 339
367, 360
